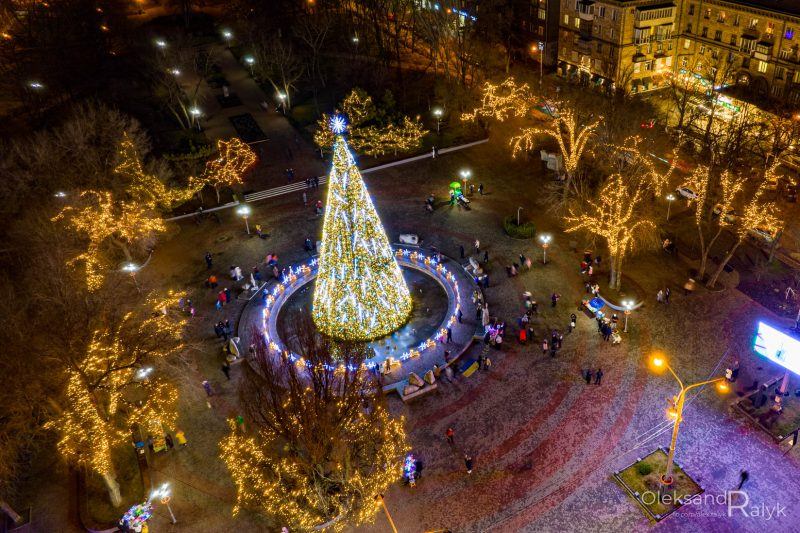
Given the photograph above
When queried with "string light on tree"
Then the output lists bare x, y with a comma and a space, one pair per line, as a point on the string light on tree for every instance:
501, 101
235, 158
360, 292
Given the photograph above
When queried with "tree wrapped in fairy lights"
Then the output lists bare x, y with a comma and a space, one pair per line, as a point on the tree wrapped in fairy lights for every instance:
320, 443
360, 292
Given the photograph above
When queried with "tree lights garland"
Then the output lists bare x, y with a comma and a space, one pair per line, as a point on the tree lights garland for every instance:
500, 101
360, 292
614, 217
299, 276
104, 398
235, 158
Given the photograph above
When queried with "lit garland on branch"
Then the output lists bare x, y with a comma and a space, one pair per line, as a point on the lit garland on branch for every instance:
500, 101
360, 292
235, 158
92, 422
614, 217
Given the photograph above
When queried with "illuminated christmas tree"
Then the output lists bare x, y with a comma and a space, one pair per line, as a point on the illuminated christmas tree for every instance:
360, 292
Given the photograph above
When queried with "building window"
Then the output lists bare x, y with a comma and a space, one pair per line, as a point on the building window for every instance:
689, 28
762, 66
613, 14
789, 35
753, 24
691, 9
784, 54
707, 14
736, 20
611, 33
777, 90
566, 20
770, 28
721, 17
718, 35
733, 40
601, 11
599, 48
542, 13
669, 61
779, 72
636, 67
715, 53
702, 49
684, 61
746, 62
577, 22
704, 32
796, 78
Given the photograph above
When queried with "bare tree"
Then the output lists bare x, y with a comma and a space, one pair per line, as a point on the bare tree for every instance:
278, 64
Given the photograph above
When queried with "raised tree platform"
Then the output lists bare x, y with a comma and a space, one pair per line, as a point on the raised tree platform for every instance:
779, 426
642, 480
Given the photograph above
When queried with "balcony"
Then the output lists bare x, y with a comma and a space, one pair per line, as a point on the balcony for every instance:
586, 10
763, 51
655, 15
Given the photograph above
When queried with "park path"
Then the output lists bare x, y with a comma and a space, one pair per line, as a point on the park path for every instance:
283, 148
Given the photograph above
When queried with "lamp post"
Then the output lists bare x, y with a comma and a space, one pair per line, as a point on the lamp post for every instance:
628, 305
161, 44
437, 112
670, 199
196, 113
540, 49
60, 194
35, 85
132, 268
163, 493
545, 244
379, 497
228, 36
518, 210
282, 98
250, 60
244, 212
465, 174
659, 363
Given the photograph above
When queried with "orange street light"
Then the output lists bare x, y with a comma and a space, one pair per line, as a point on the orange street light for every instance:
659, 362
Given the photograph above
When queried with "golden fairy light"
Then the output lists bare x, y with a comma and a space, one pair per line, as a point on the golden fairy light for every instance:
501, 101
228, 168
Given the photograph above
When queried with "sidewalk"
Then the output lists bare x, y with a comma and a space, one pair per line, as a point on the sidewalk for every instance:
273, 154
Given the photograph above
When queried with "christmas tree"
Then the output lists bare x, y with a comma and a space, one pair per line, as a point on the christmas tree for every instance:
360, 292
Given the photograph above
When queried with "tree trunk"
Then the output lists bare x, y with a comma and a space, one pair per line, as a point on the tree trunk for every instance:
774, 246
113, 488
11, 513
704, 258
216, 189
713, 280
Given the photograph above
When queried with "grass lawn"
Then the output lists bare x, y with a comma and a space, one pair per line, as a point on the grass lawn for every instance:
643, 478
779, 426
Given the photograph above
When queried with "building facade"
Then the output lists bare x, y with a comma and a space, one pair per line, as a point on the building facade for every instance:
538, 28
639, 44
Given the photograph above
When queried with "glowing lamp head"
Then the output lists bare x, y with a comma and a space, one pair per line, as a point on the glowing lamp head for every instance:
658, 362
227, 34
36, 85
465, 173
627, 304
130, 267
195, 111
338, 124
60, 194
723, 387
243, 211
250, 60
437, 112
670, 197
161, 43
545, 239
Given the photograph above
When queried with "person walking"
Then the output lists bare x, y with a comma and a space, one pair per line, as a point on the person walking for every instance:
450, 435
486, 256
461, 250
744, 475
226, 369
218, 329
588, 375
660, 296
449, 334
228, 297
305, 199
598, 377
545, 347
209, 260
667, 293
459, 314
477, 246
468, 463
554, 298
207, 388
480, 189
573, 321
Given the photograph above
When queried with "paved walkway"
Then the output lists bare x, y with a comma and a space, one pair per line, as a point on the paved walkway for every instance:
284, 148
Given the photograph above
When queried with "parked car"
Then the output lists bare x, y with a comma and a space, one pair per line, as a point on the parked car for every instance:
761, 235
730, 216
687, 193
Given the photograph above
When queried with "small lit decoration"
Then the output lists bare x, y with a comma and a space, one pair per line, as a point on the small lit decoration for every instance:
137, 516
571, 134
235, 158
501, 101
616, 218
360, 292
93, 420
338, 124
410, 469
365, 133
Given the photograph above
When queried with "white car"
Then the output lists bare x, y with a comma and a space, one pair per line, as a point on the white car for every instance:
761, 235
687, 193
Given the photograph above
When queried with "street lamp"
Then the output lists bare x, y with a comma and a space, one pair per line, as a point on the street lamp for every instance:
227, 35
382, 503
540, 49
438, 112
545, 244
142, 374
244, 212
36, 85
354, 40
163, 493
132, 268
175, 71
670, 199
628, 305
282, 97
465, 175
658, 362
250, 60
60, 194
196, 113
518, 210
160, 43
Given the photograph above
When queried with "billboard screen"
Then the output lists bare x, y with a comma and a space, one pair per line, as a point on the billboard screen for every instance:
778, 347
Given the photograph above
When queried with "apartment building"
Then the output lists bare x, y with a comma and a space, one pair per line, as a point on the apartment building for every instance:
757, 42
538, 28
641, 43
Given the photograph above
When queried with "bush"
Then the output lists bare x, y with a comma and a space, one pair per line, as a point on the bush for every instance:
644, 469
526, 230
